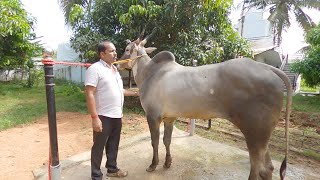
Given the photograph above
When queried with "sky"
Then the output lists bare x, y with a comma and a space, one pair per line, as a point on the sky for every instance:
293, 37
50, 21
51, 25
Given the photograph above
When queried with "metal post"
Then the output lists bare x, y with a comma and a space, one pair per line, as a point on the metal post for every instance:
209, 124
193, 122
192, 126
55, 168
130, 82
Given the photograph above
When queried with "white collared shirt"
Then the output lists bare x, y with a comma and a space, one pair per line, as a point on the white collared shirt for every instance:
109, 89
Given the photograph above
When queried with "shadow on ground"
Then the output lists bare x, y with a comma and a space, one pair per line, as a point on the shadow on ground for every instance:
193, 158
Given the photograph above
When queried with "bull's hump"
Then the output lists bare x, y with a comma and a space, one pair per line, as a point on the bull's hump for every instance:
163, 56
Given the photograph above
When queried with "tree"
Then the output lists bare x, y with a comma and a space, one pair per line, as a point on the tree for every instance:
191, 29
310, 66
279, 13
16, 34
68, 5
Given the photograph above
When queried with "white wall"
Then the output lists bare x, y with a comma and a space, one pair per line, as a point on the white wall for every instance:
71, 73
255, 25
9, 75
257, 29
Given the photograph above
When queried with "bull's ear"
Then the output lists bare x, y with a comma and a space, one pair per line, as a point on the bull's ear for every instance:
150, 49
127, 41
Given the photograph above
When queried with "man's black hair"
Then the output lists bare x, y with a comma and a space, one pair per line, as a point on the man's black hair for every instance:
102, 47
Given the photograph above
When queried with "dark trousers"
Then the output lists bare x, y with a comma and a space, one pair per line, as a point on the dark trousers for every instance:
108, 139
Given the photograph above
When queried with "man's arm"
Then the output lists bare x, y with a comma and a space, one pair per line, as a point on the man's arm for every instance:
130, 93
91, 104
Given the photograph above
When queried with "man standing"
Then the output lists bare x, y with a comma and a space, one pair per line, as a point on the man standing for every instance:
105, 96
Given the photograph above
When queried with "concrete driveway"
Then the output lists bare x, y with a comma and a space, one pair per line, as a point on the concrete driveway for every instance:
194, 158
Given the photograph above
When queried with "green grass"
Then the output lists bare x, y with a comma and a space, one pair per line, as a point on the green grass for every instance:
309, 89
312, 154
20, 105
305, 88
132, 105
306, 103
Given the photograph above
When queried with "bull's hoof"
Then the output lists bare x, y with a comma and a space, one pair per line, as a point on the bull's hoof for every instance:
168, 162
151, 168
167, 165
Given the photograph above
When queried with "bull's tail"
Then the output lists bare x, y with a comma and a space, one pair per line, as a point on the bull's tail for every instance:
286, 81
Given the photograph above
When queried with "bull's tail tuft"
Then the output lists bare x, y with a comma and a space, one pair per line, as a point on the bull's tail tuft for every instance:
283, 168
286, 81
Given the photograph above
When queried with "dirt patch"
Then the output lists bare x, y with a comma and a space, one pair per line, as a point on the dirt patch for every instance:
26, 148
225, 132
303, 120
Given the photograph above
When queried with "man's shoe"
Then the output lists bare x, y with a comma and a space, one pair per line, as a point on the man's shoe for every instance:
119, 174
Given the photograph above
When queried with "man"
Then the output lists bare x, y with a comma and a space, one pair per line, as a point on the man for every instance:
105, 94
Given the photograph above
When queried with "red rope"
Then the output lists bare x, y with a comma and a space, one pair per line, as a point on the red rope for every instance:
52, 62
49, 163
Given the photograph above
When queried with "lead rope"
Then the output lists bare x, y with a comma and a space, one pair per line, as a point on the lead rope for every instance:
128, 60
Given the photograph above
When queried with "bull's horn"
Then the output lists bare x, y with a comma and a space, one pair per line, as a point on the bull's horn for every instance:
140, 37
143, 42
148, 37
137, 41
152, 33
142, 32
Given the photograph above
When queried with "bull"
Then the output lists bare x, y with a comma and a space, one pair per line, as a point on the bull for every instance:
247, 93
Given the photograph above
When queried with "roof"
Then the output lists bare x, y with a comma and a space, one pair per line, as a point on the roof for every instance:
260, 50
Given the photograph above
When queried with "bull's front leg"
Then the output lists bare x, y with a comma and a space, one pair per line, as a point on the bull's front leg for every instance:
168, 127
155, 133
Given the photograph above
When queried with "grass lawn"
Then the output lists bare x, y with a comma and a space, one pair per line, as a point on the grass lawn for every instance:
305, 103
20, 105
305, 88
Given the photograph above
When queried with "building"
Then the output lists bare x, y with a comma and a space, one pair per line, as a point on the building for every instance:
70, 73
65, 53
257, 29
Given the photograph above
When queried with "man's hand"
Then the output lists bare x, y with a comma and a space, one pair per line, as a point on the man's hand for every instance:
96, 124
130, 93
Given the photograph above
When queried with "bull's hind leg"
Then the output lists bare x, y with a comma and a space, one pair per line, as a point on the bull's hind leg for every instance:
168, 127
259, 157
268, 164
155, 133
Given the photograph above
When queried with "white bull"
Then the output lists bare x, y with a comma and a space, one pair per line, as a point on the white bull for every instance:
247, 93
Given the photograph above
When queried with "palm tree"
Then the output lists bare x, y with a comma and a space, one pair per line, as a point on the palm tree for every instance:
279, 13
67, 5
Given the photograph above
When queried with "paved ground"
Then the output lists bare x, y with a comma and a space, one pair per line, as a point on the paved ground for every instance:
194, 158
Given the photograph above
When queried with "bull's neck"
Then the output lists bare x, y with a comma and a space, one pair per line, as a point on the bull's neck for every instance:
139, 69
